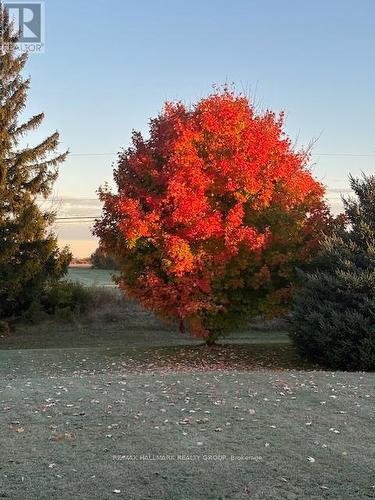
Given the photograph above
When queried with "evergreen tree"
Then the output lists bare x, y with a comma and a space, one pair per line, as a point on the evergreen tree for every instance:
333, 319
29, 255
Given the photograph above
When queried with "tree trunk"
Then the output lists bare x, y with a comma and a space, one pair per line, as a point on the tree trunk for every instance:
212, 338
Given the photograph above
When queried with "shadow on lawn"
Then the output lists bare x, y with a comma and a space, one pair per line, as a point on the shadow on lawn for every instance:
218, 357
119, 333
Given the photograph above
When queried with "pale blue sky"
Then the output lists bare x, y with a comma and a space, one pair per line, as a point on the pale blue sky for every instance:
109, 66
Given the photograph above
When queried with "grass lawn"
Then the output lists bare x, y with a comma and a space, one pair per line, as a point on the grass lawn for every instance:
82, 425
121, 406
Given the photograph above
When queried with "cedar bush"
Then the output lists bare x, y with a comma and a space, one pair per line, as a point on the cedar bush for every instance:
333, 317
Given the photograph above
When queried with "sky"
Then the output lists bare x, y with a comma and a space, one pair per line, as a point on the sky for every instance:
109, 65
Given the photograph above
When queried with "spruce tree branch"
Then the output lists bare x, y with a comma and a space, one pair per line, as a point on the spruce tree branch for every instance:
31, 124
38, 152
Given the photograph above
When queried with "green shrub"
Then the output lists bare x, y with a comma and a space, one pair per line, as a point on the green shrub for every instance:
35, 313
68, 296
4, 329
332, 321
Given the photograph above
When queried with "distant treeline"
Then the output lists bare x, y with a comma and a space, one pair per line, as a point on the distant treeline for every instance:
101, 260
98, 260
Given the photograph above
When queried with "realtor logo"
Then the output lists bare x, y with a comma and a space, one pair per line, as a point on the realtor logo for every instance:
28, 21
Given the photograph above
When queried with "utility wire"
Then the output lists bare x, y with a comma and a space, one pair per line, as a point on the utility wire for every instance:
62, 220
92, 154
368, 155
72, 220
78, 217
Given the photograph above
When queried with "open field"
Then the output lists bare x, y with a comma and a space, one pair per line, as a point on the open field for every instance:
91, 277
118, 404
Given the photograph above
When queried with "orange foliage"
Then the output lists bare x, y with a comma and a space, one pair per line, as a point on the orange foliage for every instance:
213, 211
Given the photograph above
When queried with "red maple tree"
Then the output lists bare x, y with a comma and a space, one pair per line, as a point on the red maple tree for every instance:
212, 214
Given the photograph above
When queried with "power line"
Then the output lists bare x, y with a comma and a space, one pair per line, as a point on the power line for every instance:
78, 217
75, 220
368, 155
92, 154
